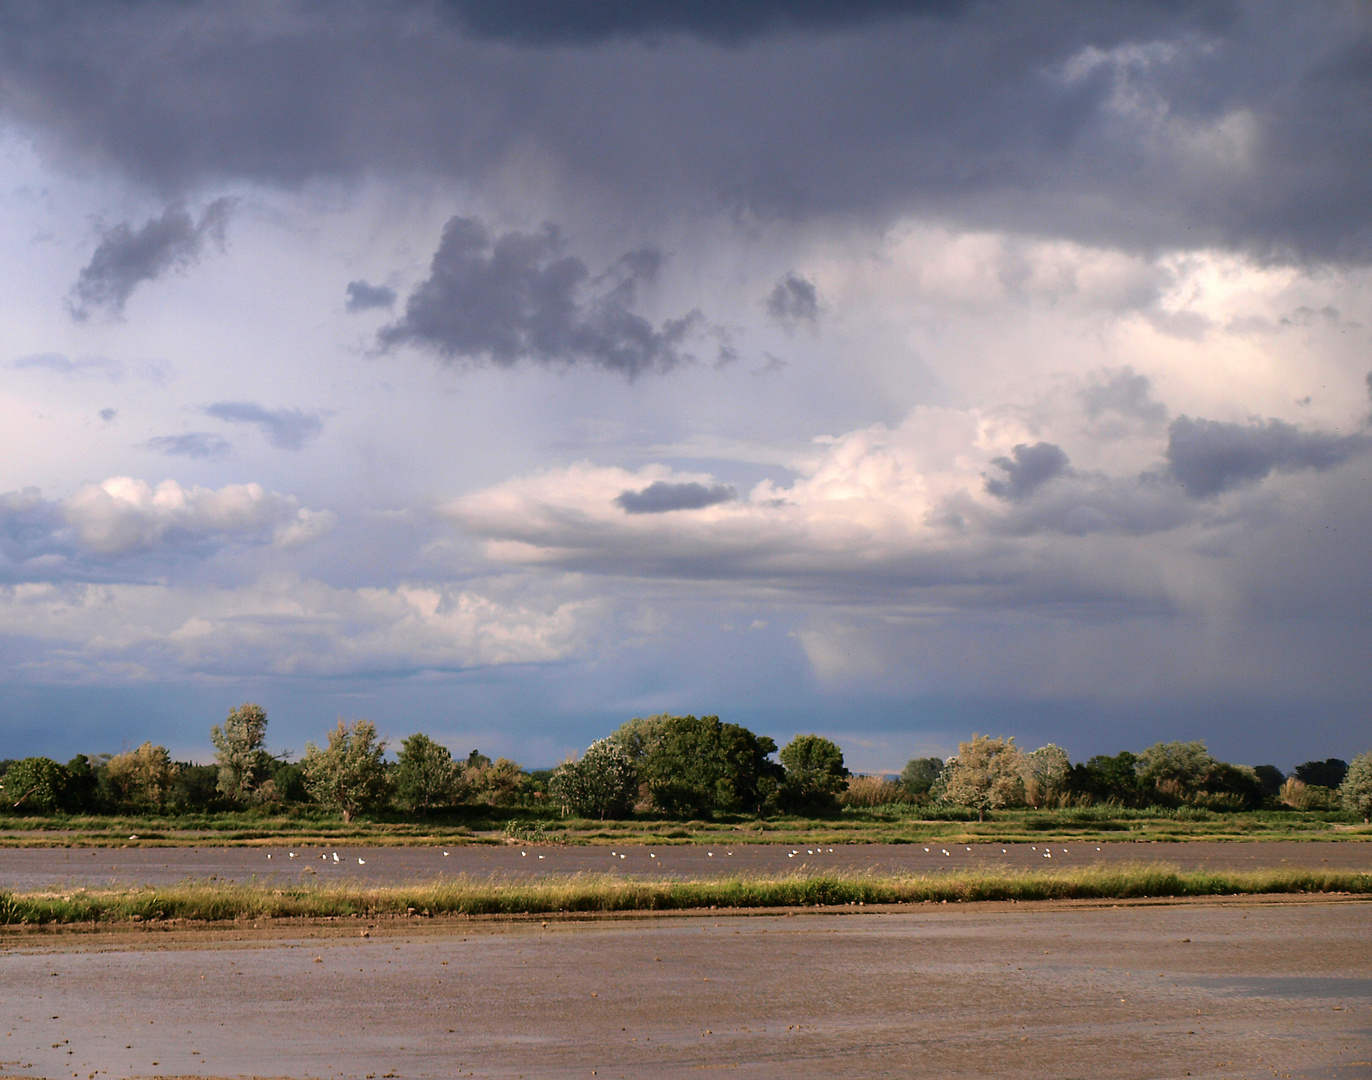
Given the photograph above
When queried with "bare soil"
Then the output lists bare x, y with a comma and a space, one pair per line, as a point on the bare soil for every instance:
1237, 988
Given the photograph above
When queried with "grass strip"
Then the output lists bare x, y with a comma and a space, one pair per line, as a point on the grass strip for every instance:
213, 902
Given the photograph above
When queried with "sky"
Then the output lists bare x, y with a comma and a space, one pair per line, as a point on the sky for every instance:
887, 370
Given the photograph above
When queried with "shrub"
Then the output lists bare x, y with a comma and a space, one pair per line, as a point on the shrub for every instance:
864, 792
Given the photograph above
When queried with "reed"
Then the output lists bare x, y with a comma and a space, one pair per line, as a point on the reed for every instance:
208, 902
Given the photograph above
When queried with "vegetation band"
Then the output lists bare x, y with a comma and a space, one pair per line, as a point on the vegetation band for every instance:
212, 902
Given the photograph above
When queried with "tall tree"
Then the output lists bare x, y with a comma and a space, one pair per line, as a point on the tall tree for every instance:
142, 779
426, 777
1356, 789
815, 772
350, 773
241, 753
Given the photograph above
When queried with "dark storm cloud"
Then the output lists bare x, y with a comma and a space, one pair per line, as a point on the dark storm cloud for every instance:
520, 296
363, 296
1026, 470
192, 444
793, 300
545, 21
1207, 457
125, 258
659, 497
1140, 124
286, 429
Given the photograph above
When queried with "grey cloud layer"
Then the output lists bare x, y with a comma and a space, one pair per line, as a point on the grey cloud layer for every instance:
520, 296
1141, 124
286, 429
125, 257
202, 445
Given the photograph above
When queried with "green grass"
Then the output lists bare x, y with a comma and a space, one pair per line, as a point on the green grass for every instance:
200, 902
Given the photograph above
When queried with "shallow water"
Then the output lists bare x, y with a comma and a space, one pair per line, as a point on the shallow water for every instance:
1012, 991
23, 869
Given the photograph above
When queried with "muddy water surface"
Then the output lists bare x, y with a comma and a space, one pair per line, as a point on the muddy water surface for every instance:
23, 869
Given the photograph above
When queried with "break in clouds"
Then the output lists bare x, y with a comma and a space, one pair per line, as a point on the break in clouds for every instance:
823, 359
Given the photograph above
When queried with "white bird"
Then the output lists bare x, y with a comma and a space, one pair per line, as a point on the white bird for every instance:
711, 854
445, 854
540, 856
624, 856
361, 862
612, 854
728, 853
269, 854
651, 855
969, 849
926, 851
292, 854
1047, 854
1002, 851
335, 856
792, 855
525, 854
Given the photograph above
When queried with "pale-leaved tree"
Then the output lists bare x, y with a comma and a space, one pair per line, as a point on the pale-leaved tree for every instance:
987, 774
350, 773
240, 751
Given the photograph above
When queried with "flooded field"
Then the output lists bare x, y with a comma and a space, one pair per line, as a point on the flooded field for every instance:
1234, 989
25, 869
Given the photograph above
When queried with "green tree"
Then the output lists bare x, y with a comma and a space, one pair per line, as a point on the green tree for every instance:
426, 777
987, 774
1356, 790
1176, 770
693, 766
1270, 778
350, 773
1328, 773
35, 783
196, 787
815, 773
240, 752
921, 774
83, 786
1046, 774
141, 779
602, 783
641, 734
1108, 779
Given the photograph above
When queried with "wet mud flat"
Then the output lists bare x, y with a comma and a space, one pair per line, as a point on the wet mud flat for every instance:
1202, 989
31, 869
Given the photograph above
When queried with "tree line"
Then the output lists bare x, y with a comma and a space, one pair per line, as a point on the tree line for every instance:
677, 766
